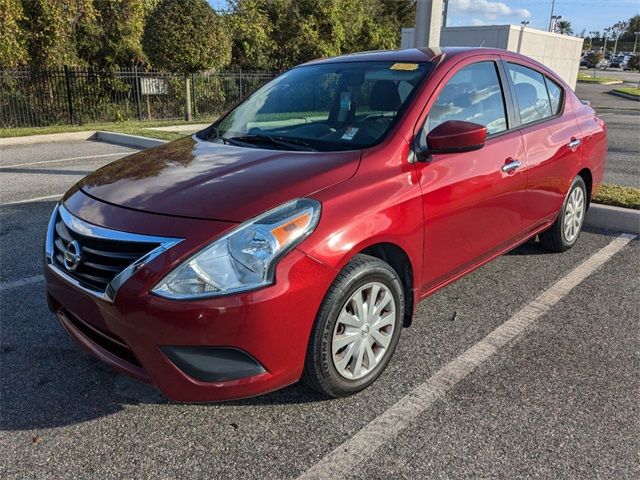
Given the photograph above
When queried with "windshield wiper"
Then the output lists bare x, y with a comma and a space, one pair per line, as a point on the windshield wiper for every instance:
292, 143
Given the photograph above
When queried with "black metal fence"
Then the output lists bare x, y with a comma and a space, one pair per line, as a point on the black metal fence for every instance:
77, 96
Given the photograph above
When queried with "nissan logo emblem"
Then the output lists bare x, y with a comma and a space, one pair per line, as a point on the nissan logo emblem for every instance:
72, 256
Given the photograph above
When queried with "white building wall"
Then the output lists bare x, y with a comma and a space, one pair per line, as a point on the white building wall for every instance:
561, 53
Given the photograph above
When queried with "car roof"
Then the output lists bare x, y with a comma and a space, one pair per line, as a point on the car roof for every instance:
433, 54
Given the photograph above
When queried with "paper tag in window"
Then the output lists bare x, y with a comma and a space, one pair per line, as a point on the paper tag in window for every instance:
345, 101
404, 66
350, 133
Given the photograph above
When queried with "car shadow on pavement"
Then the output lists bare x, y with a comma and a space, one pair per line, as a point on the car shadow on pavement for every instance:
56, 384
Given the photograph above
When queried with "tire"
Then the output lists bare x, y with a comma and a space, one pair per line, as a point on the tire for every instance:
557, 238
328, 369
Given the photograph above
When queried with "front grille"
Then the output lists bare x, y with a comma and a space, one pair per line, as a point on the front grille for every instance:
101, 259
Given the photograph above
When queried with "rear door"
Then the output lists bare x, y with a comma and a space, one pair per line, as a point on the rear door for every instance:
552, 140
473, 201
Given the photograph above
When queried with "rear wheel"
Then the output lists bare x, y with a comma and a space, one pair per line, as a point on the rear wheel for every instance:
357, 328
565, 231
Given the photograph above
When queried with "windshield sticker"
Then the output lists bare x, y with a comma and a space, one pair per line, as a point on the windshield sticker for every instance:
404, 66
350, 133
345, 101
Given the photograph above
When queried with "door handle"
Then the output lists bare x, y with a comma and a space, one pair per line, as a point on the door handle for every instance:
511, 165
574, 143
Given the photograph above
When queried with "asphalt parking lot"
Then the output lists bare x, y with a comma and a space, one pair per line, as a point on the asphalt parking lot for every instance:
496, 378
623, 123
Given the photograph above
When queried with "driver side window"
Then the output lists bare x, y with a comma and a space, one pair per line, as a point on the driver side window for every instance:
474, 95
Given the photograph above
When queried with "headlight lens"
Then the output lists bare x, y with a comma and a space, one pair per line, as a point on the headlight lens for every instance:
243, 259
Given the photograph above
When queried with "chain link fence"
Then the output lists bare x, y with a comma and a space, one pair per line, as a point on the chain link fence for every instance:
77, 96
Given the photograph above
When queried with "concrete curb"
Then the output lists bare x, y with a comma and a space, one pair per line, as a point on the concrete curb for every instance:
613, 82
624, 95
109, 137
125, 140
613, 218
50, 137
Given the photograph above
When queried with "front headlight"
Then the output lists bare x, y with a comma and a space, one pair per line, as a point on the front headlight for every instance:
245, 258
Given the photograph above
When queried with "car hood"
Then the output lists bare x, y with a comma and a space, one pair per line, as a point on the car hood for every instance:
195, 178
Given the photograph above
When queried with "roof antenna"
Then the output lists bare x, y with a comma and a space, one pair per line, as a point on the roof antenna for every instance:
482, 43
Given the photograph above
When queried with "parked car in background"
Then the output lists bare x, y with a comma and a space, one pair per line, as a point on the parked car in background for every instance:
295, 237
619, 61
616, 63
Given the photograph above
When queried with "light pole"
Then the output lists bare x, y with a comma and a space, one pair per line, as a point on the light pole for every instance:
524, 23
635, 42
553, 7
606, 37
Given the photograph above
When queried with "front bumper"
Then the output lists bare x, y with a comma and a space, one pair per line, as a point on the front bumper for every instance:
138, 332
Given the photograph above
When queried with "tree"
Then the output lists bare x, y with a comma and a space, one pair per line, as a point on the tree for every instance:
252, 35
50, 29
592, 59
114, 37
563, 27
13, 52
633, 25
186, 36
634, 62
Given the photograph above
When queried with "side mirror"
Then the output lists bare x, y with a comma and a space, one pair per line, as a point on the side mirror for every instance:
454, 136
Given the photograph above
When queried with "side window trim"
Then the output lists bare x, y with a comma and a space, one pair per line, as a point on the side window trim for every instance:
562, 95
514, 99
513, 114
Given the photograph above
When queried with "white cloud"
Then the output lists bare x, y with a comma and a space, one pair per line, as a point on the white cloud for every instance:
488, 9
476, 22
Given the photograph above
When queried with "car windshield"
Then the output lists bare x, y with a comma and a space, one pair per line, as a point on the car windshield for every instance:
325, 107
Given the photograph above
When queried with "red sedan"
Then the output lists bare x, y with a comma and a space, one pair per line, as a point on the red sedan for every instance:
294, 237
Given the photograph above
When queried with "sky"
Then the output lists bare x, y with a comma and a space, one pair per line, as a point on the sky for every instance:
590, 15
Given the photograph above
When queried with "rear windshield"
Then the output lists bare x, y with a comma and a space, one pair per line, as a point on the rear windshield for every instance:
332, 106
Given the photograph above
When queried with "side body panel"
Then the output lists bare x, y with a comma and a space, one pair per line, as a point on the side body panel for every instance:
594, 141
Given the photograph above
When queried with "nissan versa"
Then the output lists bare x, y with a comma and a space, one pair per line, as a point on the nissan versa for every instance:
295, 236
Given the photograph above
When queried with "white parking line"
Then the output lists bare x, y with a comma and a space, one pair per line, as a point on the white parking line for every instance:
21, 283
341, 461
34, 199
44, 162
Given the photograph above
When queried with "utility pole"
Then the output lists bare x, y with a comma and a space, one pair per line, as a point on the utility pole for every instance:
444, 13
553, 7
428, 23
635, 42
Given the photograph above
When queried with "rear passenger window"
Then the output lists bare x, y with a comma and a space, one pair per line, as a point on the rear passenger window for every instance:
531, 93
473, 94
555, 95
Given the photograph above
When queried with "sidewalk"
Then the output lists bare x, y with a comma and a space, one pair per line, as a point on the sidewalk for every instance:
186, 129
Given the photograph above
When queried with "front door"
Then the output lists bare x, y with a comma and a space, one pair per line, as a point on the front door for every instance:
473, 201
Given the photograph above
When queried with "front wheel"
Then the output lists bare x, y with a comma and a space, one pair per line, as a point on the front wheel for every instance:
565, 231
357, 328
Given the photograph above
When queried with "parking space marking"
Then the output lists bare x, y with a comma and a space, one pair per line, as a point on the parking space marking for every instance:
389, 424
34, 199
44, 162
21, 283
